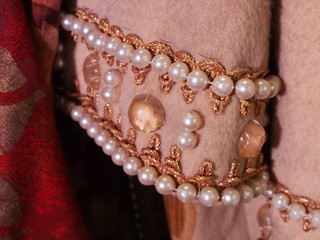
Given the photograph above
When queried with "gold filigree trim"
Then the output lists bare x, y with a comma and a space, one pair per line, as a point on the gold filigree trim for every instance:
308, 203
151, 155
210, 67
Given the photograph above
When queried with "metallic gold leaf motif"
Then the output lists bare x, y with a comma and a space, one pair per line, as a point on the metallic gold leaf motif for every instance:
205, 176
212, 68
107, 112
154, 142
10, 76
246, 107
116, 32
131, 136
183, 56
174, 160
134, 40
119, 121
159, 48
10, 212
239, 73
165, 83
108, 58
140, 74
104, 25
219, 104
14, 119
187, 93
122, 66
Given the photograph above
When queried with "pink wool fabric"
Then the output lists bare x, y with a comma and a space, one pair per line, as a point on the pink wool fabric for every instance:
237, 34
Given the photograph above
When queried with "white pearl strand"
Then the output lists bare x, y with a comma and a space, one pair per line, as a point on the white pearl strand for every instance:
296, 211
197, 80
165, 184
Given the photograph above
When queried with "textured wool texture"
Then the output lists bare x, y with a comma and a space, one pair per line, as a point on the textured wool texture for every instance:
296, 148
236, 33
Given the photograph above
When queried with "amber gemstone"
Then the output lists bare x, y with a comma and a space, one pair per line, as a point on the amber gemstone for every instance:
91, 71
146, 113
251, 140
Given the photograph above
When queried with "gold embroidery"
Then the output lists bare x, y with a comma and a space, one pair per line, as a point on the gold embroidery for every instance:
151, 156
219, 104
14, 119
212, 68
10, 76
165, 83
140, 74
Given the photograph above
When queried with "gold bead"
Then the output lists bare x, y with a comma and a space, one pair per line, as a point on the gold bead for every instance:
251, 140
146, 113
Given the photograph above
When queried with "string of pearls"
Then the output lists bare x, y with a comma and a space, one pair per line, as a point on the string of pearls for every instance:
197, 80
191, 121
165, 184
296, 211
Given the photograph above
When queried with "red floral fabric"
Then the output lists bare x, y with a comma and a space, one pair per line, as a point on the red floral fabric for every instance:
36, 199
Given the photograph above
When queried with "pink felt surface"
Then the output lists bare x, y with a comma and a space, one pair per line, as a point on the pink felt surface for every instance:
236, 33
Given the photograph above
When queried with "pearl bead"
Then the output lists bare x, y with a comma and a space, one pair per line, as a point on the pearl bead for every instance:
92, 130
263, 88
85, 121
251, 140
146, 113
245, 88
246, 193
178, 71
112, 45
187, 140
109, 146
147, 175
119, 156
77, 112
315, 218
280, 201
165, 185
230, 196
67, 21
256, 187
77, 25
100, 42
90, 36
264, 175
209, 196
101, 137
275, 85
110, 94
269, 191
113, 77
124, 52
86, 27
264, 217
160, 63
141, 58
191, 121
186, 192
132, 166
296, 211
222, 85
197, 80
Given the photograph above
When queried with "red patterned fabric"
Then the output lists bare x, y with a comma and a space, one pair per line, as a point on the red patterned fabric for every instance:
36, 199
